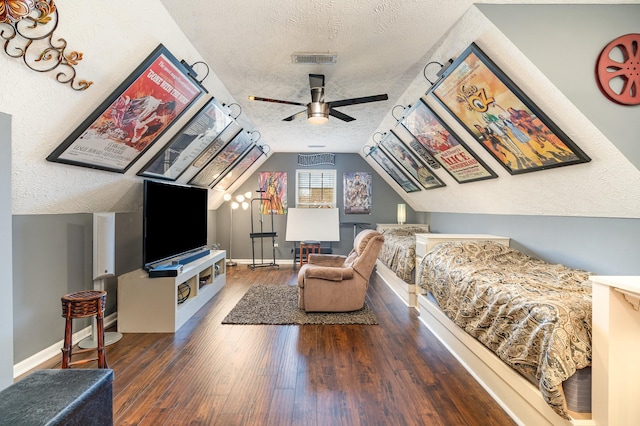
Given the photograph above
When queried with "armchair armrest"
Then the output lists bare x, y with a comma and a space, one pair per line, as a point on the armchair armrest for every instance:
329, 273
333, 260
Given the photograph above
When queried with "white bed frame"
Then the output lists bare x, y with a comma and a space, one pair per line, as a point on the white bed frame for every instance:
516, 395
407, 292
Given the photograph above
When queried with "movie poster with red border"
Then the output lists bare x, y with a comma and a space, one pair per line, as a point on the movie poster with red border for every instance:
134, 116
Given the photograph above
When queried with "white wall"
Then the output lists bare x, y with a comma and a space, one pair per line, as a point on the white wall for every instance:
114, 37
6, 264
608, 186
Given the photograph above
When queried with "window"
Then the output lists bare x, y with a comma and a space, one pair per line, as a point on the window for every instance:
315, 188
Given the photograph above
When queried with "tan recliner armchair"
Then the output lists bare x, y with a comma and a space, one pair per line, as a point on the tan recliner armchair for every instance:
334, 283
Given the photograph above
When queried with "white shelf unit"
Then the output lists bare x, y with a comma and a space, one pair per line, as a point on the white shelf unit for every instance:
150, 305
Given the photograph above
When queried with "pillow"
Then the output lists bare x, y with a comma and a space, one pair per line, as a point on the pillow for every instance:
405, 230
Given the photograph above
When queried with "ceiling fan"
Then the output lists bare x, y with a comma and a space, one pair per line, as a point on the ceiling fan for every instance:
318, 111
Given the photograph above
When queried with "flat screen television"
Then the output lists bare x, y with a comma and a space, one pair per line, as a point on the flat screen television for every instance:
174, 221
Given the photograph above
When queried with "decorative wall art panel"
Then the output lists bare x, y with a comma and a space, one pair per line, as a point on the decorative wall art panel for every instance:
396, 149
393, 170
501, 117
434, 136
357, 192
196, 136
225, 181
222, 161
133, 117
273, 190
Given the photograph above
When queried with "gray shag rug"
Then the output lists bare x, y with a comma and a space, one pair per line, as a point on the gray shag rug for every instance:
278, 305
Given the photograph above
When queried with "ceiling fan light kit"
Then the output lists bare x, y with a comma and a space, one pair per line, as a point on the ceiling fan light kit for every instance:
318, 111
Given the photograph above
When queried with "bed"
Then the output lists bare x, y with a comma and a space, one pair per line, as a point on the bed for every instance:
520, 325
397, 259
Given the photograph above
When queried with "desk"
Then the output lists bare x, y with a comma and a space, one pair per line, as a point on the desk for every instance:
306, 248
355, 226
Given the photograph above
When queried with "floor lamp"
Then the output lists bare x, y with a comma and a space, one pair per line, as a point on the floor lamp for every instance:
240, 200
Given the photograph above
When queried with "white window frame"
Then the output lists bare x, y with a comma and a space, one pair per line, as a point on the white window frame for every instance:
319, 174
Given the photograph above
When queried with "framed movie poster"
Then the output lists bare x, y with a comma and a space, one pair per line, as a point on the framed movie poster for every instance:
357, 192
501, 117
393, 170
273, 187
395, 148
196, 136
238, 169
133, 117
434, 136
222, 161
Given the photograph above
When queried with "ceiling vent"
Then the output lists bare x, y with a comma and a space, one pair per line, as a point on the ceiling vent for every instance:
314, 58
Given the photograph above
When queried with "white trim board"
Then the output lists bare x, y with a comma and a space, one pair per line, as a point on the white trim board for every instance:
56, 349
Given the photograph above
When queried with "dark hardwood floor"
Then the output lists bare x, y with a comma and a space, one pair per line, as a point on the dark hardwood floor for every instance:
207, 373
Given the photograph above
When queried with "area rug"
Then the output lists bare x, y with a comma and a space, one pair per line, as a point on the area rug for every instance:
278, 305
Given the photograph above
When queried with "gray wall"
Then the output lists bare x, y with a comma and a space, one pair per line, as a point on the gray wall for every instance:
384, 202
52, 256
564, 42
6, 287
604, 246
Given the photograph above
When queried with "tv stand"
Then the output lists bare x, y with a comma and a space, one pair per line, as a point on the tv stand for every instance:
150, 305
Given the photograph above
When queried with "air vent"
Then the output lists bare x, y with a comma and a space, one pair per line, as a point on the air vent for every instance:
314, 58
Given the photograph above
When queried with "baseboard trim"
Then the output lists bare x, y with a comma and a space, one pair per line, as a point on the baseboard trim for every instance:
54, 350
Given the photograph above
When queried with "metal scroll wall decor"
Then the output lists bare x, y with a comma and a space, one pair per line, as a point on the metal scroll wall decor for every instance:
27, 26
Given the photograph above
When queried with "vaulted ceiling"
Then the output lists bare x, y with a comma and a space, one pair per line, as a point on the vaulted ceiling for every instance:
380, 45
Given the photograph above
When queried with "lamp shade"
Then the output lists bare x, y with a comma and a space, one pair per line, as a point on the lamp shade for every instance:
313, 225
402, 214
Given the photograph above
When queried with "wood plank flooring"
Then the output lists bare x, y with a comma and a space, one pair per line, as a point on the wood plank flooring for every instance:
207, 373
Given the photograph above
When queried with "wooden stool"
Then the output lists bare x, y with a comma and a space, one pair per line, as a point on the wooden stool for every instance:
83, 304
306, 248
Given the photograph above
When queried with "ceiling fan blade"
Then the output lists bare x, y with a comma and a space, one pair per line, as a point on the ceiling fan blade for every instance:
362, 100
341, 116
277, 101
316, 80
300, 114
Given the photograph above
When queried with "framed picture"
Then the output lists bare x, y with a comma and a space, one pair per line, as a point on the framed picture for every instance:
196, 136
222, 161
273, 190
393, 170
357, 192
133, 117
396, 149
432, 135
501, 117
238, 169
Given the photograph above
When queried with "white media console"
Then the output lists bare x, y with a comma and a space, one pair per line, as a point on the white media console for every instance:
152, 305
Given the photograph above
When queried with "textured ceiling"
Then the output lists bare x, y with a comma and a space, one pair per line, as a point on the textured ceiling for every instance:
380, 46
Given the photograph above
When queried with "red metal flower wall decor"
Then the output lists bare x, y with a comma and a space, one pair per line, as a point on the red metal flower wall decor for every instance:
15, 10
27, 27
618, 70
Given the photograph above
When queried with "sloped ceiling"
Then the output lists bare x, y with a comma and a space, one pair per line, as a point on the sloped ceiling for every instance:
380, 46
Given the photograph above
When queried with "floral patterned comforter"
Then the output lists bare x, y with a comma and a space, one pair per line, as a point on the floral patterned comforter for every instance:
534, 315
398, 252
